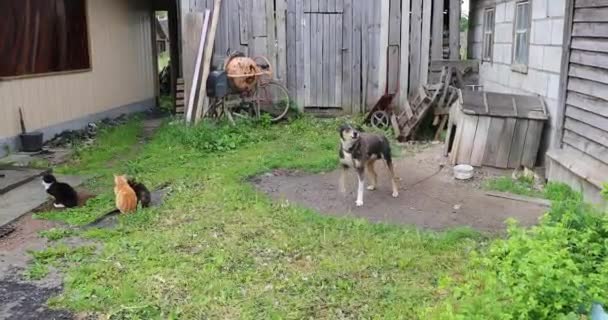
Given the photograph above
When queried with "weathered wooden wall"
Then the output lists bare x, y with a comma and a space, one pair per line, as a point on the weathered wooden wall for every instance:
336, 55
582, 133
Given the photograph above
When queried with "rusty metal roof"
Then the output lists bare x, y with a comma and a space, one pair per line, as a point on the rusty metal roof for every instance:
503, 105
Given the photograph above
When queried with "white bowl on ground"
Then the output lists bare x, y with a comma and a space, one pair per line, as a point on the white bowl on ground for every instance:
463, 172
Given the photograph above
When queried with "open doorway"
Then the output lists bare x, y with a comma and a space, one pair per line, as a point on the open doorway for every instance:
166, 40
163, 60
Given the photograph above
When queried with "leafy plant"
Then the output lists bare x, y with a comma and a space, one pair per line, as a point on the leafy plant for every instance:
552, 271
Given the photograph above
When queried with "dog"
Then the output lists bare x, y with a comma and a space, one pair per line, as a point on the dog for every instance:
360, 150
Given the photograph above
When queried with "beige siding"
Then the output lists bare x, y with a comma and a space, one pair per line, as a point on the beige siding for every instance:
122, 72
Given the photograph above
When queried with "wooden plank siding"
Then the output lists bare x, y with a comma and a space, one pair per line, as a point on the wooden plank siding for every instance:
341, 55
583, 120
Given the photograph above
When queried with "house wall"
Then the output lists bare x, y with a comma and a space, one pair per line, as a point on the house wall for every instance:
580, 156
121, 78
544, 64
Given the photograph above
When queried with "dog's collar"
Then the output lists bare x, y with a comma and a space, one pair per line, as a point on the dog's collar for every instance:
351, 147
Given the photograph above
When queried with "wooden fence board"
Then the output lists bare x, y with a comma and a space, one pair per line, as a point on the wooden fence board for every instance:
479, 144
338, 52
454, 29
404, 55
415, 34
532, 143
469, 127
347, 55
505, 142
491, 154
425, 41
281, 67
517, 147
437, 38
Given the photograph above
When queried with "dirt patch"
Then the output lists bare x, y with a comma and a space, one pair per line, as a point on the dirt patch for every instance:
428, 198
22, 299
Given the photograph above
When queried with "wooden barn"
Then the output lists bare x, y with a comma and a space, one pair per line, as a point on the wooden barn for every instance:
335, 56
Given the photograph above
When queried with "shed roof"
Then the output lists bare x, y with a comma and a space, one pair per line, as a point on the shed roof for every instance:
503, 105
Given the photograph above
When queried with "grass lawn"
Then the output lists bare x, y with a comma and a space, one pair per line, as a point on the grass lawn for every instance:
217, 248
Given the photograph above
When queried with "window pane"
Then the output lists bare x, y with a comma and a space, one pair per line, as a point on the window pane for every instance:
43, 36
524, 49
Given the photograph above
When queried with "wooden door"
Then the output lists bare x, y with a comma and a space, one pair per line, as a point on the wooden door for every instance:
320, 52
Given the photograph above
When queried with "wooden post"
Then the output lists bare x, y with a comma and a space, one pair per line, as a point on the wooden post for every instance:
193, 88
202, 97
454, 29
415, 41
563, 81
384, 33
405, 53
425, 41
437, 39
281, 67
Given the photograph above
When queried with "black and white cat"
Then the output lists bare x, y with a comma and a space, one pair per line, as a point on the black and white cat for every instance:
65, 196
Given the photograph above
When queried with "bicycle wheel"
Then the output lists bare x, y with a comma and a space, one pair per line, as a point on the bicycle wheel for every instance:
273, 98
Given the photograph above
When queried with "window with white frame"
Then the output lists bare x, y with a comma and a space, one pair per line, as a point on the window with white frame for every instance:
521, 40
488, 34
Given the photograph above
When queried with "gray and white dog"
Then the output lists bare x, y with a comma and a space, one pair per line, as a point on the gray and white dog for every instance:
360, 150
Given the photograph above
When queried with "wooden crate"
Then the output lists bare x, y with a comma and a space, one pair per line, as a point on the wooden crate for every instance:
495, 129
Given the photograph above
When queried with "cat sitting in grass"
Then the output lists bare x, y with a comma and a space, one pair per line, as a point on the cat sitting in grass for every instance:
65, 196
129, 193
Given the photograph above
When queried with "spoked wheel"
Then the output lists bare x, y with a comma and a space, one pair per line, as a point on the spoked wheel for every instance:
243, 110
273, 98
380, 120
216, 108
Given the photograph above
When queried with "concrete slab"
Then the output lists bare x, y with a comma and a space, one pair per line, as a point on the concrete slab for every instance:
11, 178
28, 197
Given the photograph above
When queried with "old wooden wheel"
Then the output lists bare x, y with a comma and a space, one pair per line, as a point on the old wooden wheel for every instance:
380, 120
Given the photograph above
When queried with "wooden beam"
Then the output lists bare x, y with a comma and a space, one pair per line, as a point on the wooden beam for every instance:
202, 97
425, 41
437, 39
563, 81
281, 67
415, 41
194, 84
404, 53
454, 29
384, 33
508, 196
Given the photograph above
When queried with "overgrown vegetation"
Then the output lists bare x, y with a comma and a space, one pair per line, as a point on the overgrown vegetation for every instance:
552, 271
55, 234
55, 256
217, 248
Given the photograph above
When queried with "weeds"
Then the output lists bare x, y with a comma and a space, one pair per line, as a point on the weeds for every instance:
217, 248
55, 256
55, 234
551, 271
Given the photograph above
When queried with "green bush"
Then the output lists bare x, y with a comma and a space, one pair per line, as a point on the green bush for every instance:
551, 271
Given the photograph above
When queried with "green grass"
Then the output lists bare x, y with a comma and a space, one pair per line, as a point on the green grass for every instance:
522, 186
59, 255
525, 186
163, 60
218, 248
111, 154
55, 234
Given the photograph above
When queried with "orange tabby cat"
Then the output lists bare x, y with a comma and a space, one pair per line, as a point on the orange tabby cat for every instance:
126, 200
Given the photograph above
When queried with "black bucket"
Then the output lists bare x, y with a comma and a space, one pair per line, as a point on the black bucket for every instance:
31, 141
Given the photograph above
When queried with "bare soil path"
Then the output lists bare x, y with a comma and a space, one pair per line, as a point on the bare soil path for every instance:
426, 200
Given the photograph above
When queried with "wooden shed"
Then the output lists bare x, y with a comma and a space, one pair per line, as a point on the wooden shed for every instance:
335, 56
495, 129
